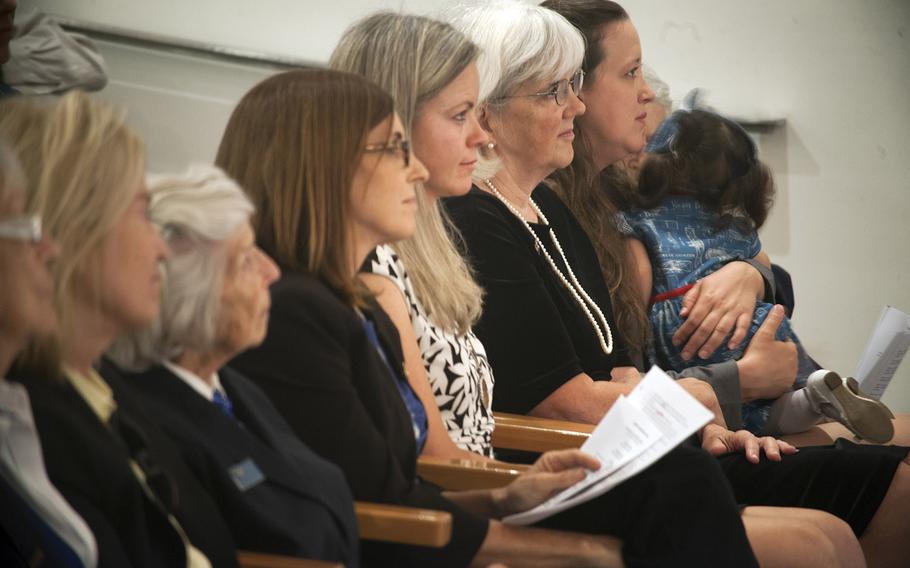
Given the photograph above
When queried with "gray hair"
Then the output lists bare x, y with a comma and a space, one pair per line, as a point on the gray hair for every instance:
12, 180
411, 57
520, 43
660, 87
198, 211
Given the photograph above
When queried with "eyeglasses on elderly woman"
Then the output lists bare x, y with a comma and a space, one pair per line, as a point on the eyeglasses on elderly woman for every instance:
21, 228
558, 90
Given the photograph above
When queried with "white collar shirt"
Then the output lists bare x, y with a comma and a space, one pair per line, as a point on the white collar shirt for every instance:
206, 389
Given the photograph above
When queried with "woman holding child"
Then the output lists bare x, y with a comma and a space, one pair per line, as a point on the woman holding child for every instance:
719, 307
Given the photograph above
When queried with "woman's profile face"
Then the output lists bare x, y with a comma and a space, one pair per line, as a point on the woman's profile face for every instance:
616, 95
446, 135
383, 198
127, 278
533, 134
26, 304
656, 115
243, 314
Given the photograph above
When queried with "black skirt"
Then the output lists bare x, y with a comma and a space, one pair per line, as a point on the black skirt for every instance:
678, 512
845, 479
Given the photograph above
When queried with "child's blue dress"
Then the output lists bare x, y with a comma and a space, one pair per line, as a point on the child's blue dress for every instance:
684, 245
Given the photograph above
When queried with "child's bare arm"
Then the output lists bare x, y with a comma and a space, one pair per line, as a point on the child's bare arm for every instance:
763, 258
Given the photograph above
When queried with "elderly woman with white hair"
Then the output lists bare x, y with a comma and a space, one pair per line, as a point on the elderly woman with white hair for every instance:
276, 495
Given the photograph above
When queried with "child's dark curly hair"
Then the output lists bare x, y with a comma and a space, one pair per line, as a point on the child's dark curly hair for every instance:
710, 158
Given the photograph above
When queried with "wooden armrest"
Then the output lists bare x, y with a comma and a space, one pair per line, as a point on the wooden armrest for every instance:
404, 525
458, 474
259, 560
531, 434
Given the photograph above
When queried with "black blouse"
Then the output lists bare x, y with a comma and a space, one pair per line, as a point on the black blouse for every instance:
536, 335
327, 379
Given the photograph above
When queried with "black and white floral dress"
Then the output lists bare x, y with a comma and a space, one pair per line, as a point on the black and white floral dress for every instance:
457, 366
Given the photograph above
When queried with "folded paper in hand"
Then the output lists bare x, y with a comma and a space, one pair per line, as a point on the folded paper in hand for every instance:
657, 416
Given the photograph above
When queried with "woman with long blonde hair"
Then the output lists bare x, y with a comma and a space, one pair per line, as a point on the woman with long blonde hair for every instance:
423, 282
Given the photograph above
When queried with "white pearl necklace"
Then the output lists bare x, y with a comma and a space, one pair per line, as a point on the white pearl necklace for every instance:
605, 335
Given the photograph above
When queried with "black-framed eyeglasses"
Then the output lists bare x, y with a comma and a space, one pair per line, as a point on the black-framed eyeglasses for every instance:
398, 143
22, 228
560, 89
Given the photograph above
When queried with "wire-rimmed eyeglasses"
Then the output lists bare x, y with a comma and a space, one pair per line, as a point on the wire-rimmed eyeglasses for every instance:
398, 143
22, 228
560, 89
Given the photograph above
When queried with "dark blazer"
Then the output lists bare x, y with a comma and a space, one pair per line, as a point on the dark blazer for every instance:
89, 465
328, 381
275, 493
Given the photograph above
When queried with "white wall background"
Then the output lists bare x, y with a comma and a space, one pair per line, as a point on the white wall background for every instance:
839, 72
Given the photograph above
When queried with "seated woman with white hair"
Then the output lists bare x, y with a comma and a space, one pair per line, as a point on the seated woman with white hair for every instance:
276, 495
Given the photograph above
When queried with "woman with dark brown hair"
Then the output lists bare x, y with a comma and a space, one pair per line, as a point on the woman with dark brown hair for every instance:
613, 128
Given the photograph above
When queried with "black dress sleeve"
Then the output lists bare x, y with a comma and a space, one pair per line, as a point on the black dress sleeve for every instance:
327, 380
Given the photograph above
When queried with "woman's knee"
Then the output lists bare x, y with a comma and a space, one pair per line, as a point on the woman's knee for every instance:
836, 528
838, 532
790, 541
900, 483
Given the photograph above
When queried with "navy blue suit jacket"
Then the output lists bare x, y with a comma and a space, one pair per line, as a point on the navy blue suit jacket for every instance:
276, 495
